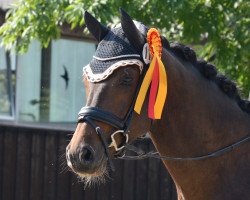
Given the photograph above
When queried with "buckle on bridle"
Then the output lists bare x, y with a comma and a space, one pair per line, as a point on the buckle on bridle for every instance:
113, 142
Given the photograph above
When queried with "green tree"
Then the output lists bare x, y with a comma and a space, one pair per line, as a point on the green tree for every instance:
219, 29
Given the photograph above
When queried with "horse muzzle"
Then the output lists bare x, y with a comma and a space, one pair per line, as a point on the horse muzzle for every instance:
84, 159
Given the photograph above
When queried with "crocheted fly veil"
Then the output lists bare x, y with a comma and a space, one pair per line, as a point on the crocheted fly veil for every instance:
114, 50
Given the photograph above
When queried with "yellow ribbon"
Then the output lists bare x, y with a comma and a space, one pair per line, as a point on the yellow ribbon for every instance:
144, 87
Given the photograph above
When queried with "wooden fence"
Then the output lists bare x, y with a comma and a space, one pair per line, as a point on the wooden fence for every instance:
32, 167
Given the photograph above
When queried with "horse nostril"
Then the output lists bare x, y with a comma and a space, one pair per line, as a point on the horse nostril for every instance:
86, 154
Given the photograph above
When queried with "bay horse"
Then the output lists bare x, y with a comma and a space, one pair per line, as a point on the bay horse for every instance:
205, 124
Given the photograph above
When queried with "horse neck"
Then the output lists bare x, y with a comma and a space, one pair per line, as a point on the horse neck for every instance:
198, 118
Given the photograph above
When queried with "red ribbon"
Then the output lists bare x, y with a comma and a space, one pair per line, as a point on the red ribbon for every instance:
153, 91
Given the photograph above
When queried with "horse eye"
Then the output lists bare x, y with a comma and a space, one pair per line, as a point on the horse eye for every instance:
126, 80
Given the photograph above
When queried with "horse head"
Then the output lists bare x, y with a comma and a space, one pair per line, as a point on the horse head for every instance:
111, 80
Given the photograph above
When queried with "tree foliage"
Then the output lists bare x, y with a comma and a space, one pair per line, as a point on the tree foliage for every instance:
218, 29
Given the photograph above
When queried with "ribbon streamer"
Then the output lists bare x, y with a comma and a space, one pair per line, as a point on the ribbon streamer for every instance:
156, 76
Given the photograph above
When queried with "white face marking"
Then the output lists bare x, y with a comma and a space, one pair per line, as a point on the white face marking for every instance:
69, 164
68, 160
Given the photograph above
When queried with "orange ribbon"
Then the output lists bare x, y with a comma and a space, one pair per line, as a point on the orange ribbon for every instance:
157, 76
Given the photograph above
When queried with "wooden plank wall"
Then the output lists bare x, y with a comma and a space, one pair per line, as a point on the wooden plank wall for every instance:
32, 167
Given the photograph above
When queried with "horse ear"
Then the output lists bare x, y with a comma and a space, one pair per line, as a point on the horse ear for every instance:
136, 38
98, 30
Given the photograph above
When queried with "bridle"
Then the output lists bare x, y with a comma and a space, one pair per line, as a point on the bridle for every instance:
89, 115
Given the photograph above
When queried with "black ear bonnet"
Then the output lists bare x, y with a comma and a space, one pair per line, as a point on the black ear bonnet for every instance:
114, 49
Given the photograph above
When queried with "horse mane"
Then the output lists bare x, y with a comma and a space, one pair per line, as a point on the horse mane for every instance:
208, 71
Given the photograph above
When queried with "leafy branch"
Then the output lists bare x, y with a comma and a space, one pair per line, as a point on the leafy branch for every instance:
219, 29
